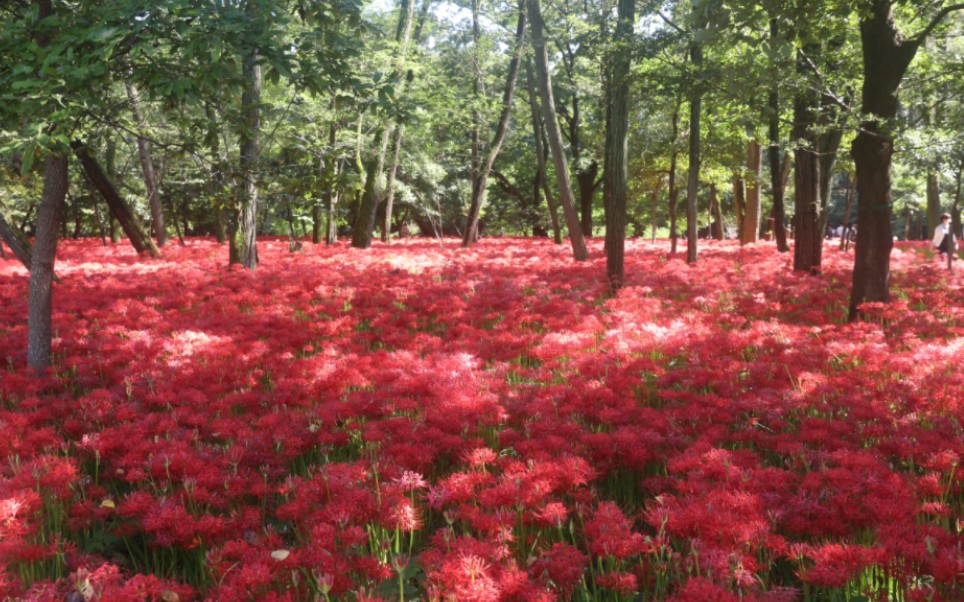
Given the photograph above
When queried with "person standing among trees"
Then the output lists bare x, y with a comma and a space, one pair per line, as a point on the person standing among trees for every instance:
943, 235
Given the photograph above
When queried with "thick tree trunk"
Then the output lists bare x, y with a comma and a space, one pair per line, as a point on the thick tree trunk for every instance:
616, 183
243, 223
807, 181
147, 167
586, 183
537, 28
367, 210
751, 219
886, 57
136, 233
17, 242
478, 194
40, 305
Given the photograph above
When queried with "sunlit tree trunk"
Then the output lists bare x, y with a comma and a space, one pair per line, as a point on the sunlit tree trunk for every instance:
243, 224
136, 232
40, 304
147, 168
616, 183
751, 218
478, 193
537, 28
538, 135
673, 187
692, 187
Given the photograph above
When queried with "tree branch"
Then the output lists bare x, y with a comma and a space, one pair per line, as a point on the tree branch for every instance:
936, 21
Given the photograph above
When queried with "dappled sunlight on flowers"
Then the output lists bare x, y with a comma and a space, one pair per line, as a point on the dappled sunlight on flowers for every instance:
487, 424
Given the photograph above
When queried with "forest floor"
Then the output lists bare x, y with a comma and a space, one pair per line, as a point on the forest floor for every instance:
421, 421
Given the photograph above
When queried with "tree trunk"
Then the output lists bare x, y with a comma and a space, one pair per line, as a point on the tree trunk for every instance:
933, 201
538, 135
751, 219
673, 189
776, 181
586, 183
807, 181
579, 250
17, 242
243, 222
616, 183
739, 205
847, 209
654, 205
886, 57
692, 187
147, 167
122, 212
478, 194
110, 157
40, 305
716, 227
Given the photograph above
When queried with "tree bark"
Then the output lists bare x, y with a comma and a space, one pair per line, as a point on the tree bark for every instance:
586, 183
119, 209
40, 305
808, 236
537, 28
716, 228
17, 242
692, 187
147, 167
751, 220
776, 181
243, 222
673, 189
886, 57
847, 209
933, 201
538, 135
739, 204
478, 194
616, 182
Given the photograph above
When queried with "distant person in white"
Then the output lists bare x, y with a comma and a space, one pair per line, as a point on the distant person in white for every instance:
943, 235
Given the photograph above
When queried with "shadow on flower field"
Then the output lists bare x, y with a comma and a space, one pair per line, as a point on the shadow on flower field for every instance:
433, 423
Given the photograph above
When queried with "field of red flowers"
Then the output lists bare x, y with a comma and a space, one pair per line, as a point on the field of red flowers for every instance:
423, 422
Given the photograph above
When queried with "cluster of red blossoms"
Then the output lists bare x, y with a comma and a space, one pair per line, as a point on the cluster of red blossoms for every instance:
418, 421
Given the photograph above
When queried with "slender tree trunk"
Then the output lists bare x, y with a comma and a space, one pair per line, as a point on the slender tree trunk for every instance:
933, 201
692, 188
110, 159
537, 28
673, 189
716, 227
40, 305
392, 174
122, 212
17, 242
616, 183
538, 135
147, 167
739, 205
847, 209
243, 224
654, 205
751, 220
779, 212
478, 195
